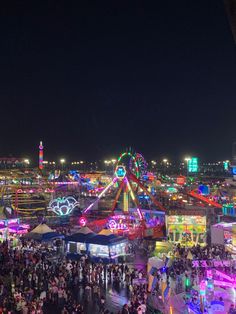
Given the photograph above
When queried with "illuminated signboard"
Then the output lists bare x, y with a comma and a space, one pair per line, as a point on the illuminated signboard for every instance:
203, 189
118, 222
234, 170
82, 221
228, 209
120, 172
193, 165
186, 220
226, 165
63, 206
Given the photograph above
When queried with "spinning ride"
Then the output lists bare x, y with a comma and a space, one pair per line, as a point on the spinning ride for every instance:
125, 180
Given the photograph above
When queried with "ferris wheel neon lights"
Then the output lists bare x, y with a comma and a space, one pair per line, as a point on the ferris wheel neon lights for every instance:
128, 183
136, 163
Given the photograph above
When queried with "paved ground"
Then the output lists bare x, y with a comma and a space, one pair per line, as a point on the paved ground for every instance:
117, 295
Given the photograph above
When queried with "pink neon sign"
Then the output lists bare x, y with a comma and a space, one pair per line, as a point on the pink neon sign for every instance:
82, 221
113, 225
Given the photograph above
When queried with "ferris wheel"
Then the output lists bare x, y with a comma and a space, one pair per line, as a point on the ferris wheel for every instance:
133, 161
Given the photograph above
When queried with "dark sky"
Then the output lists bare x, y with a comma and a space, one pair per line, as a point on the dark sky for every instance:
90, 80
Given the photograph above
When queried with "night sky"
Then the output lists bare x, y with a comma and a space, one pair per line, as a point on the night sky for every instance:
91, 80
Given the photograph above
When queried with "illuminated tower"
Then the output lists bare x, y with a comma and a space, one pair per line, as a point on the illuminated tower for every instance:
41, 155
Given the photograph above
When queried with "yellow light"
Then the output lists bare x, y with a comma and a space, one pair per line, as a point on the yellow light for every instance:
187, 158
62, 161
26, 161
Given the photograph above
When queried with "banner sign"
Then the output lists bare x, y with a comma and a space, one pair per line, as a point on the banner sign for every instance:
213, 263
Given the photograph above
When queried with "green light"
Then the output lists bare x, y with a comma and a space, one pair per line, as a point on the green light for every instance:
187, 282
193, 165
172, 190
226, 165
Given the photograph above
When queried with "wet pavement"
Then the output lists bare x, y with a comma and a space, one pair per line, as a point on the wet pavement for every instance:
117, 294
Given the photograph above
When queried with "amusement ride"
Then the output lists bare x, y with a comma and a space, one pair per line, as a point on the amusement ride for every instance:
127, 179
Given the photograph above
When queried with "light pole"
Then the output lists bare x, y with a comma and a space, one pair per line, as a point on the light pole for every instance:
187, 159
62, 161
165, 161
113, 161
26, 162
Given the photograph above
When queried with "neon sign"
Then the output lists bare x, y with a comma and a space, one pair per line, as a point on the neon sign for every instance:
82, 221
193, 165
113, 225
63, 206
120, 172
212, 263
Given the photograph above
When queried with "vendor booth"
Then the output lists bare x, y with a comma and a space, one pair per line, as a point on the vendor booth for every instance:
187, 230
103, 246
107, 246
43, 233
77, 243
12, 230
224, 234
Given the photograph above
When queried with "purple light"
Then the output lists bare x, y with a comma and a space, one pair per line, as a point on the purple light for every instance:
100, 195
139, 213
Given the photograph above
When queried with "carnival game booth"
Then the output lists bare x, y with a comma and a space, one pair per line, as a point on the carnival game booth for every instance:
224, 234
186, 228
43, 233
76, 244
12, 230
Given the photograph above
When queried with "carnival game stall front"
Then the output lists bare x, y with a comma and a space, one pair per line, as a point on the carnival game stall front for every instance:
12, 230
187, 230
224, 234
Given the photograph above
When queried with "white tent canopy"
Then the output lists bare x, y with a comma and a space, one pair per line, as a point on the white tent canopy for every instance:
156, 262
41, 229
84, 230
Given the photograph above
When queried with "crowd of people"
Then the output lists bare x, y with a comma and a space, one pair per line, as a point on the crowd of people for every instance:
32, 282
183, 276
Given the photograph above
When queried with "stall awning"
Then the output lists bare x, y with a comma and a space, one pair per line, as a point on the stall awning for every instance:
80, 237
106, 240
43, 237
